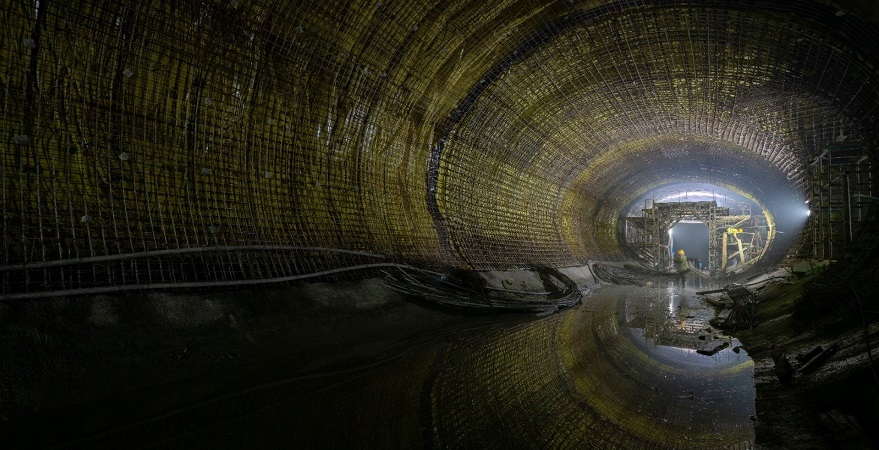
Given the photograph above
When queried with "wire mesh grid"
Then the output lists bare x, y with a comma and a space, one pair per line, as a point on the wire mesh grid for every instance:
251, 134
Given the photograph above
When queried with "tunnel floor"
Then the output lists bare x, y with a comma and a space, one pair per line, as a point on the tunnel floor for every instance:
619, 371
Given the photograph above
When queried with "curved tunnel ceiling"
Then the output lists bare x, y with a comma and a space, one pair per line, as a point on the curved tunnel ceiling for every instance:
480, 134
607, 102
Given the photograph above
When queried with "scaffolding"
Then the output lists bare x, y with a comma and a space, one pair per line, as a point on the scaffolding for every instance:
745, 233
841, 195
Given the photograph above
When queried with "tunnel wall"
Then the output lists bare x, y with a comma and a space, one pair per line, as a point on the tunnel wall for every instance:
139, 127
162, 143
170, 142
610, 102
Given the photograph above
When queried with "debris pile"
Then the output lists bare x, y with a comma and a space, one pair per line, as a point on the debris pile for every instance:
804, 363
735, 309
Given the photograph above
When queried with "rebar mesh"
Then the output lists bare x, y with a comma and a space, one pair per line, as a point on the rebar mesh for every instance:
262, 136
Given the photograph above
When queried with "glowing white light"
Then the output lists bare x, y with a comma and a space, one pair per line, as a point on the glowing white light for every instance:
686, 194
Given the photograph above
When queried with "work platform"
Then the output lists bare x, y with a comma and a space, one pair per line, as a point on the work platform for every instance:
735, 241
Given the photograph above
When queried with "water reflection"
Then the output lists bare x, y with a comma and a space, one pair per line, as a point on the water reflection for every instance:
680, 397
675, 322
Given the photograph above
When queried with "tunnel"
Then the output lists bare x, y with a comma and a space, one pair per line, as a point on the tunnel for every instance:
410, 224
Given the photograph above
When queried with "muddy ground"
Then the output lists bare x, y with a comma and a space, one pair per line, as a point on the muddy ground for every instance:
789, 415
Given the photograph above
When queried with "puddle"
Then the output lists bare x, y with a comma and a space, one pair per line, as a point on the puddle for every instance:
648, 358
673, 325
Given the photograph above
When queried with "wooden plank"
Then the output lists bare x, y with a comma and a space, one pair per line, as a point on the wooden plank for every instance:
723, 254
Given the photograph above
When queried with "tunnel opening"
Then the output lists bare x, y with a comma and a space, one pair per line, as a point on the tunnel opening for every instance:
735, 234
692, 238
